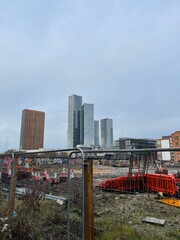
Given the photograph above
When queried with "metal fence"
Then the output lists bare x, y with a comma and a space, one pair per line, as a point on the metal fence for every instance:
79, 207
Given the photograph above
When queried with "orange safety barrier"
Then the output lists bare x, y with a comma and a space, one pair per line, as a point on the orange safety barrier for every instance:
153, 182
123, 183
161, 183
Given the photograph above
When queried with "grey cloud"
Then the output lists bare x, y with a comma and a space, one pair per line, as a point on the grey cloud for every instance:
123, 56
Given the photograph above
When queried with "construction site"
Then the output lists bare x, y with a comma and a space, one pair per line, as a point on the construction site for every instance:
45, 196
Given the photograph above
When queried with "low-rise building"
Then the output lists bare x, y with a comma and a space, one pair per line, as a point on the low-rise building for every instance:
164, 142
133, 143
176, 143
171, 141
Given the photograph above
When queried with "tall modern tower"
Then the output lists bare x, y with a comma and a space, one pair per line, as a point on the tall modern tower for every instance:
96, 133
87, 124
107, 133
74, 109
32, 130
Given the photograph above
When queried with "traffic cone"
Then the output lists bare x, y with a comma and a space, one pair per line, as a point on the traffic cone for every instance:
32, 174
72, 174
35, 175
63, 174
55, 179
9, 172
47, 177
38, 175
26, 168
45, 173
19, 164
8, 167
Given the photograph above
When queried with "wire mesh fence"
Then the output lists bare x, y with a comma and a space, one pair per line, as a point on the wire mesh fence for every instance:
51, 198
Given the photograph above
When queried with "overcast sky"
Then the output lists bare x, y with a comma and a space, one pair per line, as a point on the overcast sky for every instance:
121, 55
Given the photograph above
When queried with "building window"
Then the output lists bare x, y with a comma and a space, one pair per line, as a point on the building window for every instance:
176, 137
178, 155
177, 143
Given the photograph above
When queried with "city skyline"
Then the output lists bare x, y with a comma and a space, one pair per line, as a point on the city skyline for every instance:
98, 125
121, 55
83, 129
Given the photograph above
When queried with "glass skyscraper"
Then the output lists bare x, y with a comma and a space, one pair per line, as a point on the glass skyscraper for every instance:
74, 110
87, 124
96, 133
107, 133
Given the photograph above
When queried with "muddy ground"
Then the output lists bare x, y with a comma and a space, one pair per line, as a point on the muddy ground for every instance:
117, 216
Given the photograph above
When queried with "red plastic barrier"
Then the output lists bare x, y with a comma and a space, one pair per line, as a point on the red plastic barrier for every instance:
153, 182
161, 183
123, 183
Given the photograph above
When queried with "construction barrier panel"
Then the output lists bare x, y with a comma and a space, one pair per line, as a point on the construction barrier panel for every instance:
161, 183
124, 184
152, 182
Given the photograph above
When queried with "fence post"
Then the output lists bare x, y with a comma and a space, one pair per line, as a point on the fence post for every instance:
88, 199
13, 180
68, 199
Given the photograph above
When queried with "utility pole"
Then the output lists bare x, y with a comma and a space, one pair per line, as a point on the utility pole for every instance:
88, 200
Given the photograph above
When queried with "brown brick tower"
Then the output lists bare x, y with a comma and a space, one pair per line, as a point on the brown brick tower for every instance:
32, 130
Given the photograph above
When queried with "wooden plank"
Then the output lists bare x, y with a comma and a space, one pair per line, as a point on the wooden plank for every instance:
154, 220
